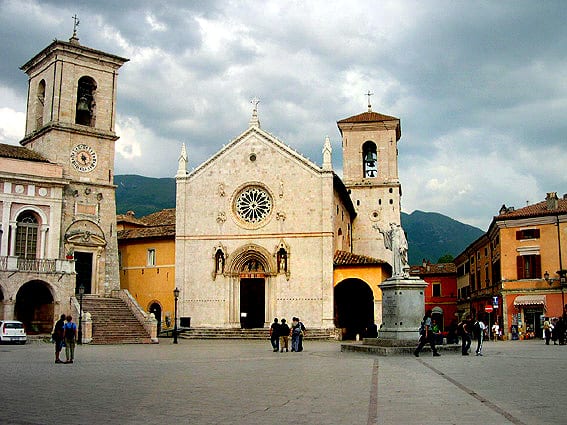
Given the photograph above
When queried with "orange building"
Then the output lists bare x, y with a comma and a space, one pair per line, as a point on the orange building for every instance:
518, 268
147, 261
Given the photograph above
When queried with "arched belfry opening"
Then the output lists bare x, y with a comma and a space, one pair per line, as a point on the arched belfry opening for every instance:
85, 109
251, 269
40, 105
370, 159
354, 307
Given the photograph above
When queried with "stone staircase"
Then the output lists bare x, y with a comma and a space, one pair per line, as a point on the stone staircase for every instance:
256, 333
113, 322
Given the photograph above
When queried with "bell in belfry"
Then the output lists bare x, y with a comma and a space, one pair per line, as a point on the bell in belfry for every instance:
83, 105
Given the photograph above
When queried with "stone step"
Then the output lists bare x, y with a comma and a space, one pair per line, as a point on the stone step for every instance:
257, 333
396, 350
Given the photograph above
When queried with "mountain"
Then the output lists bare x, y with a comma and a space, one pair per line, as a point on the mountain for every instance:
430, 235
143, 195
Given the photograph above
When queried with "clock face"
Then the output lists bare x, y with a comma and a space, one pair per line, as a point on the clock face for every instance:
83, 158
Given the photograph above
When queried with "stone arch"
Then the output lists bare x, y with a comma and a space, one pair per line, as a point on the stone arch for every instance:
35, 302
85, 112
353, 307
244, 254
85, 233
24, 208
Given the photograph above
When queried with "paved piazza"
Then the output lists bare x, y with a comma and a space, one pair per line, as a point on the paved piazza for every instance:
244, 382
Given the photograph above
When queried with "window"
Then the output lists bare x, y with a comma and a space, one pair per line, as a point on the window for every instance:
40, 105
528, 266
26, 235
151, 257
527, 234
473, 282
436, 289
85, 109
370, 160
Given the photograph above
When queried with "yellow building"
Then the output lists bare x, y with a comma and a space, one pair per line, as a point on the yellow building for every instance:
517, 268
147, 261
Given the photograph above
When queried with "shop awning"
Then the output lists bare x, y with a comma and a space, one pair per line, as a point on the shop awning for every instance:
529, 300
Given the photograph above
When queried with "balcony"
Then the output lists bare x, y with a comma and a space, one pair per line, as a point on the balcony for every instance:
34, 265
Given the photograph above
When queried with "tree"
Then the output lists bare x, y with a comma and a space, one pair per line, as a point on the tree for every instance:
447, 258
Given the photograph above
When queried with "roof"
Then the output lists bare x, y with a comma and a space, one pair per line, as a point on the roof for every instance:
147, 232
129, 218
367, 117
160, 218
535, 210
344, 258
19, 152
433, 269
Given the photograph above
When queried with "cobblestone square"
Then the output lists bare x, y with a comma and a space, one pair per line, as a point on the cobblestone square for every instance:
244, 382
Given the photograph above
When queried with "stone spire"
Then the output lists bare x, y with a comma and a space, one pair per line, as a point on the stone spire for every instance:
182, 168
254, 120
327, 155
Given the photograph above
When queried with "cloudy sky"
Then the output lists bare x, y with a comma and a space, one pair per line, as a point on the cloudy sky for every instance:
480, 87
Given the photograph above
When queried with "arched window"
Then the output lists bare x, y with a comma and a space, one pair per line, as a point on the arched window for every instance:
26, 235
39, 105
85, 110
370, 159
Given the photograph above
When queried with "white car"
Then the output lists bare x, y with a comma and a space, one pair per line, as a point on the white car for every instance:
12, 331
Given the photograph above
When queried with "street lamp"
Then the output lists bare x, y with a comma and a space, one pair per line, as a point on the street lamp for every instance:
176, 296
81, 293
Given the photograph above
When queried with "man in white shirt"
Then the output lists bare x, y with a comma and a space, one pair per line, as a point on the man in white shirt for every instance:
479, 328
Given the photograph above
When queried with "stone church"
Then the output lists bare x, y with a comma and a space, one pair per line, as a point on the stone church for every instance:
263, 232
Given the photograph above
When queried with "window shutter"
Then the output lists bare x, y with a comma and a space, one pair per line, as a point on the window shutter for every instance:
537, 266
520, 267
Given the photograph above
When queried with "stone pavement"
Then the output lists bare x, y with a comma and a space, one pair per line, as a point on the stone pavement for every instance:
244, 382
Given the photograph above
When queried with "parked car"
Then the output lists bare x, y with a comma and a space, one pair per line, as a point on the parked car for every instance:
12, 331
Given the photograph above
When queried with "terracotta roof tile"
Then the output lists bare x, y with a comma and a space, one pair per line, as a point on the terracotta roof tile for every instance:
129, 218
147, 232
344, 258
19, 152
433, 269
368, 117
535, 210
160, 218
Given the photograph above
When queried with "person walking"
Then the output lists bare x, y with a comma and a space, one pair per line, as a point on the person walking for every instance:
284, 336
295, 334
426, 336
275, 335
59, 337
464, 332
479, 328
70, 332
301, 335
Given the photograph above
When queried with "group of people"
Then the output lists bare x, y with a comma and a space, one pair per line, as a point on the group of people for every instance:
554, 330
466, 328
64, 335
280, 333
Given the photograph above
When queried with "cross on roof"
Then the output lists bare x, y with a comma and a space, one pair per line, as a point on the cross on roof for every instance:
76, 23
369, 94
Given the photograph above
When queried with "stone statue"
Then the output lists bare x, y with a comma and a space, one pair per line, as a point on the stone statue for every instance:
395, 240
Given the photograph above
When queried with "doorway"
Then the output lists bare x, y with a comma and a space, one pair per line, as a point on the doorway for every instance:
252, 303
84, 269
155, 308
34, 307
354, 308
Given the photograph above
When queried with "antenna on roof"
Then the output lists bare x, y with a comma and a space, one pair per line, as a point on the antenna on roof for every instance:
369, 105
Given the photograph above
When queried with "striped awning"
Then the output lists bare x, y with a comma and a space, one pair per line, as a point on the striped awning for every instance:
529, 300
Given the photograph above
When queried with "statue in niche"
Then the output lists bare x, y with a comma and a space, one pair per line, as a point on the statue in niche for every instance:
282, 261
395, 240
219, 262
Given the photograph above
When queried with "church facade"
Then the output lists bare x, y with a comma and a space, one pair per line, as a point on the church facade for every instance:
262, 232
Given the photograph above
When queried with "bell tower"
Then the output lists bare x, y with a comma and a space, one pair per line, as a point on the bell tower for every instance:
70, 119
370, 174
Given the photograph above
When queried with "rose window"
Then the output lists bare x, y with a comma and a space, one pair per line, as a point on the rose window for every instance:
253, 204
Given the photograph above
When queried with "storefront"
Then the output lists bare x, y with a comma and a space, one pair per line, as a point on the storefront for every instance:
529, 315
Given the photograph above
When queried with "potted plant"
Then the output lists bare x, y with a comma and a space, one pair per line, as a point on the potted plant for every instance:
70, 255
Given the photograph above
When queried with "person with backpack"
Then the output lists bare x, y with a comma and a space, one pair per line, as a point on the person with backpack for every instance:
70, 332
464, 331
426, 335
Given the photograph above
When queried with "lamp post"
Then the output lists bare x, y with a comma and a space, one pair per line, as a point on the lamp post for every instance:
81, 293
176, 296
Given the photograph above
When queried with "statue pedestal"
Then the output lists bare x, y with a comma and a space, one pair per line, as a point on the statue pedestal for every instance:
403, 306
